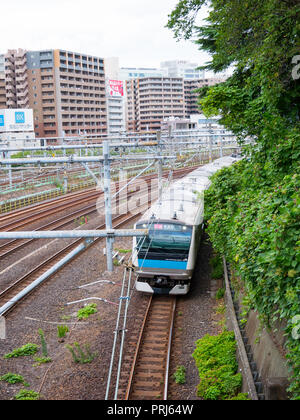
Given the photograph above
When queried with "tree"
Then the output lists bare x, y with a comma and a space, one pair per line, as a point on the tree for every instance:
253, 208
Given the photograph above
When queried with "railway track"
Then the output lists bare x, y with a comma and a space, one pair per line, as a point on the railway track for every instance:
30, 216
149, 371
35, 212
14, 245
19, 285
26, 216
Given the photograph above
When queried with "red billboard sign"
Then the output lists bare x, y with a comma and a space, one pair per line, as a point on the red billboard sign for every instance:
115, 87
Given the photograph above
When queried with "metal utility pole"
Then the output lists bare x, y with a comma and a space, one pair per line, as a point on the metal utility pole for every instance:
160, 165
107, 200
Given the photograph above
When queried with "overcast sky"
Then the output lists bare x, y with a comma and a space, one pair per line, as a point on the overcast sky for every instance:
133, 30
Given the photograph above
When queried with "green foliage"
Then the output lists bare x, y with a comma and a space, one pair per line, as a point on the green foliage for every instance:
13, 378
44, 344
27, 394
179, 375
26, 350
220, 293
256, 225
252, 208
42, 360
216, 264
62, 331
243, 396
80, 356
215, 358
86, 311
123, 250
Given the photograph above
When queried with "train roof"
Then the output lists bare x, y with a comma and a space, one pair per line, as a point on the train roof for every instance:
182, 201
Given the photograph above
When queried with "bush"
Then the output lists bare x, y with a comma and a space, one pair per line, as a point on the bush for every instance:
215, 358
253, 219
217, 267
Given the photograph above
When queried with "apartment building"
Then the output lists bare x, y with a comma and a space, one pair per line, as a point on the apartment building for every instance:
2, 82
16, 83
152, 99
191, 94
66, 91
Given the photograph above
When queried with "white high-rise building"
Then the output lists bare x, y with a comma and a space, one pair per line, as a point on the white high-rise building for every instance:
182, 68
128, 73
115, 97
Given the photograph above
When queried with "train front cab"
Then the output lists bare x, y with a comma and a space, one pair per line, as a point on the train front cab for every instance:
163, 262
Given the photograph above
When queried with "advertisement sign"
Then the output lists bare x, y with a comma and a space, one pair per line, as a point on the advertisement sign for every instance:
115, 88
12, 120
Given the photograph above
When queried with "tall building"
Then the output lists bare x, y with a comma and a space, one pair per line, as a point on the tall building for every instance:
2, 82
115, 107
127, 73
182, 68
16, 79
115, 97
191, 94
152, 99
66, 91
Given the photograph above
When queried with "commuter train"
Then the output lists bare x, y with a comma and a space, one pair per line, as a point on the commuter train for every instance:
165, 259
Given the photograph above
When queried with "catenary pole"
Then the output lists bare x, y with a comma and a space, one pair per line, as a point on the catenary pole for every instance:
107, 200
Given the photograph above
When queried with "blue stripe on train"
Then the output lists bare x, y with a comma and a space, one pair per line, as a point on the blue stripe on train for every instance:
177, 265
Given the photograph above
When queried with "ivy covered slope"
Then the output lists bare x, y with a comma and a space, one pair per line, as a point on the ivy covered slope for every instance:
252, 208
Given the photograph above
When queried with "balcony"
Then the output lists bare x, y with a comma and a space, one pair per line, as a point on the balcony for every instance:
20, 61
10, 95
23, 93
11, 103
23, 103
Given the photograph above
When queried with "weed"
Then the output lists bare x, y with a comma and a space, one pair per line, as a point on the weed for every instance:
79, 356
123, 251
26, 350
27, 394
179, 375
42, 360
86, 311
220, 293
44, 344
62, 331
13, 378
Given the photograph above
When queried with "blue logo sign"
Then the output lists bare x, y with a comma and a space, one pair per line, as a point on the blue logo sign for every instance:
1, 120
20, 117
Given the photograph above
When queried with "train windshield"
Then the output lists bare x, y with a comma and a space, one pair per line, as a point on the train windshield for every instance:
166, 238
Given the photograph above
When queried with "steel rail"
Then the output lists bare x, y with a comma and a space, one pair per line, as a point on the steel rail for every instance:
153, 349
53, 202
17, 244
8, 304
